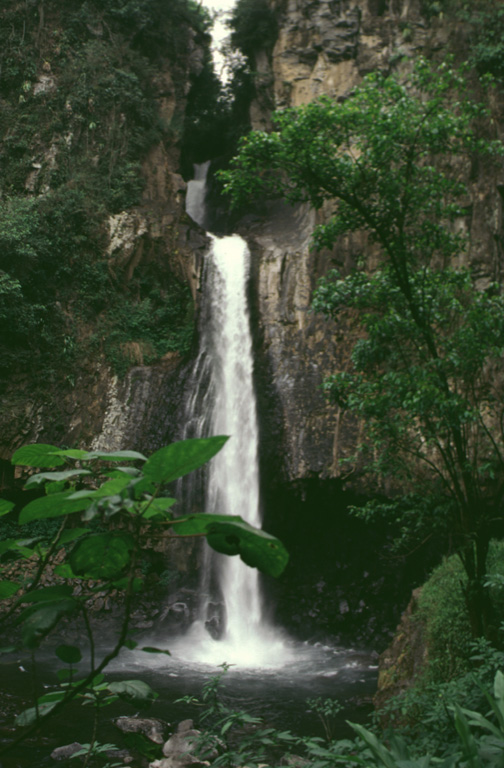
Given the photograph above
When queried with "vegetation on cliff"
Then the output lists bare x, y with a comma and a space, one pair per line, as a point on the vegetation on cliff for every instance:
80, 110
418, 376
253, 27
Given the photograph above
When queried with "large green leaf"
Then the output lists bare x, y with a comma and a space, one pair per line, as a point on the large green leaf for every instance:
133, 690
72, 534
152, 649
55, 505
38, 455
198, 524
38, 620
8, 588
72, 453
55, 476
114, 456
47, 594
231, 535
52, 489
17, 547
256, 548
157, 507
32, 714
101, 555
5, 507
69, 654
113, 487
7, 544
178, 459
499, 686
109, 488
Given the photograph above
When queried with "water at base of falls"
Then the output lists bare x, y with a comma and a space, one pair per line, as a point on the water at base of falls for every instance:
264, 648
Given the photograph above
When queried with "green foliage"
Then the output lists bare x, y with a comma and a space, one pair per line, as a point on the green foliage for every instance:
417, 376
442, 610
476, 735
253, 26
71, 155
234, 735
124, 492
456, 668
141, 331
487, 40
476, 738
39, 240
484, 22
216, 114
327, 711
451, 715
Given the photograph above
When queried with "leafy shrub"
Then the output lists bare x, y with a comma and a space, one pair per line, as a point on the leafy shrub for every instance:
99, 539
138, 332
457, 665
487, 41
443, 611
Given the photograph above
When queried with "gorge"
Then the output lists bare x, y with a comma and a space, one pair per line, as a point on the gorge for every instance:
111, 290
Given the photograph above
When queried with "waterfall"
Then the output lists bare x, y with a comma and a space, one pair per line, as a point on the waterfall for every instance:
223, 402
196, 190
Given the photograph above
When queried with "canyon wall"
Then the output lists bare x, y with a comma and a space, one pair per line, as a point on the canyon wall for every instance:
326, 48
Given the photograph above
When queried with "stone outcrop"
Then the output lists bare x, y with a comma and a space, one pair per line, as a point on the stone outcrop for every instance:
402, 663
179, 750
297, 348
152, 728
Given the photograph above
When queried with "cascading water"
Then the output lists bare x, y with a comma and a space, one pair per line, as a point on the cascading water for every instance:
196, 192
223, 402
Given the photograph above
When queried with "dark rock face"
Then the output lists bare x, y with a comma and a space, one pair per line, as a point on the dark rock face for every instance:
343, 580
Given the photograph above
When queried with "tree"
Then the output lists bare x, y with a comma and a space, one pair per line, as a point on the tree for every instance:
425, 373
109, 506
253, 26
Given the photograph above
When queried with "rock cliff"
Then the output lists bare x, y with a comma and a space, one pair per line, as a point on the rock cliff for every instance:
325, 48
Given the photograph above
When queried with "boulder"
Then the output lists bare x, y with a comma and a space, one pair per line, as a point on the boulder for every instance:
149, 726
65, 752
179, 749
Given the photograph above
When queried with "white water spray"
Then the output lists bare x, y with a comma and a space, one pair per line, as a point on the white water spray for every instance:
229, 407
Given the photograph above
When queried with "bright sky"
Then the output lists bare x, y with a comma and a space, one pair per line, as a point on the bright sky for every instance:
219, 31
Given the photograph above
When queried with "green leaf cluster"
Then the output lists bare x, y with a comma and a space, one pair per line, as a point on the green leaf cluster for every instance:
253, 27
476, 737
126, 498
109, 505
71, 156
487, 39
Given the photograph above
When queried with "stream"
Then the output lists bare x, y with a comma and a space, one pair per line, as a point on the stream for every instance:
277, 694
